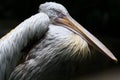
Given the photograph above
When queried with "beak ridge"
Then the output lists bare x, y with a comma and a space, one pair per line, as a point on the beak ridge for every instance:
86, 35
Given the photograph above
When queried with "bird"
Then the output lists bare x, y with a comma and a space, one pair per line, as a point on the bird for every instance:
46, 46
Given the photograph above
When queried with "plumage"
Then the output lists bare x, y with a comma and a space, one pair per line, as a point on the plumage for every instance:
13, 43
52, 51
46, 46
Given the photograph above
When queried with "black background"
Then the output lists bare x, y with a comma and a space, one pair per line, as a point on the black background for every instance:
100, 17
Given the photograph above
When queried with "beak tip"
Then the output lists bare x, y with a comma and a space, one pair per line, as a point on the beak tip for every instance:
115, 59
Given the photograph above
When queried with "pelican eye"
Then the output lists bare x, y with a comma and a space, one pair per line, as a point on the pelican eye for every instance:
58, 13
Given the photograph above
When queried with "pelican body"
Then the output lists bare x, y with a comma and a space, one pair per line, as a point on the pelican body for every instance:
46, 46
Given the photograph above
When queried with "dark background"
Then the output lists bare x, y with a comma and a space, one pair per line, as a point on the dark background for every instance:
100, 17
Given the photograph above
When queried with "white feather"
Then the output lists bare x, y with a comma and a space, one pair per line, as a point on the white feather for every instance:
12, 44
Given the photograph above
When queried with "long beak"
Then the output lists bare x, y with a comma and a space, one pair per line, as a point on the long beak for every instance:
86, 35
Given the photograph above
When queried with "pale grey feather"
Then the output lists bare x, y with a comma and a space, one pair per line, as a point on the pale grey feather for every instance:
52, 58
13, 43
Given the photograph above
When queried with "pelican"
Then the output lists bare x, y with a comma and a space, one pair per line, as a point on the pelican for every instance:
46, 45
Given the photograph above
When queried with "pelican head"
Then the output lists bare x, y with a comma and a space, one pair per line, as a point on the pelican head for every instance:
53, 10
59, 15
